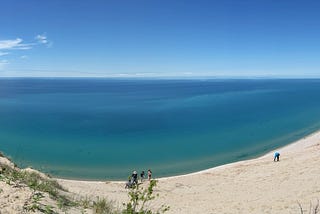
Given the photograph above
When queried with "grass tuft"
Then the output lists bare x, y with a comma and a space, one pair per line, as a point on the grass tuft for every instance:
102, 206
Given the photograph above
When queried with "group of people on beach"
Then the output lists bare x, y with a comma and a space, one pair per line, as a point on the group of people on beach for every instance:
133, 179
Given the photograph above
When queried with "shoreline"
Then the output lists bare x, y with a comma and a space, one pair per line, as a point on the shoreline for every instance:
287, 148
257, 185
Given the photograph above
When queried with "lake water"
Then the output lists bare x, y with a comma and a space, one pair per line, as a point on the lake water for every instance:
105, 128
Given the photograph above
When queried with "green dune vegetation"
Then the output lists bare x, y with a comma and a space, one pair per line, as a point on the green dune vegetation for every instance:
36, 192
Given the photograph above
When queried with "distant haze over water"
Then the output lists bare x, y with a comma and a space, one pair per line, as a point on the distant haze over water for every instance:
105, 128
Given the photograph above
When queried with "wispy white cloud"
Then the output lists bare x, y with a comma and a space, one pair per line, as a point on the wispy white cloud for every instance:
43, 39
3, 53
18, 44
14, 44
11, 45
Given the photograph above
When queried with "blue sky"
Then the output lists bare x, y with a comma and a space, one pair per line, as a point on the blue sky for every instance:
160, 38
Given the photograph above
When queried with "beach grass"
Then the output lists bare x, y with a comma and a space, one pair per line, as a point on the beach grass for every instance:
41, 185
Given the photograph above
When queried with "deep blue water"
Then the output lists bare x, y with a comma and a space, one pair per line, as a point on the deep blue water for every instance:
105, 128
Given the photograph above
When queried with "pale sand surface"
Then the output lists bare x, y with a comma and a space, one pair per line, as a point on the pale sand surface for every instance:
253, 186
16, 197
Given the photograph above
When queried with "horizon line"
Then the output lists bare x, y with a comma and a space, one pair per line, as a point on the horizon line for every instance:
162, 77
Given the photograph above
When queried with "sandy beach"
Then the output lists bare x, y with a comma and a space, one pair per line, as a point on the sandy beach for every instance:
253, 186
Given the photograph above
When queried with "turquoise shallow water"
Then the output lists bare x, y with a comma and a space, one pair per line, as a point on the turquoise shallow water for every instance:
105, 128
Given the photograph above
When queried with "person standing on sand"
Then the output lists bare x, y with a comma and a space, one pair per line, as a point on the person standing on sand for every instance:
276, 156
142, 176
135, 177
149, 174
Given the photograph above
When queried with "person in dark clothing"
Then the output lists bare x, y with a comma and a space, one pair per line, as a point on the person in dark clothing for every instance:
142, 175
133, 180
135, 177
